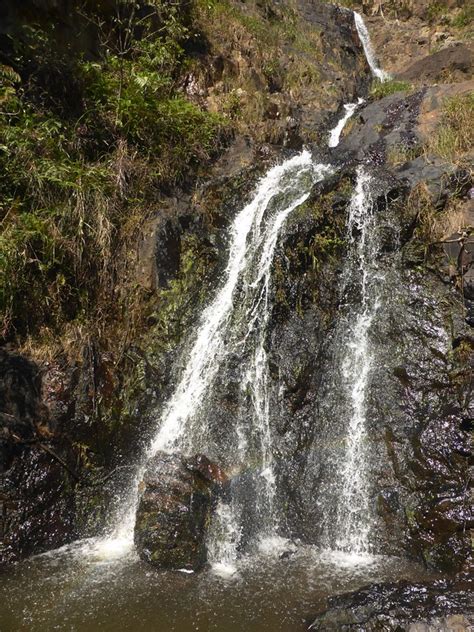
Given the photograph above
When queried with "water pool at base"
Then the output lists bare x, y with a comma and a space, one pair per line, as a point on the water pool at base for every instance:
75, 590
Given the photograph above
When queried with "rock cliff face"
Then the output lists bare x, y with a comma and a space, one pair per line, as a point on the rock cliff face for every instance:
420, 401
281, 72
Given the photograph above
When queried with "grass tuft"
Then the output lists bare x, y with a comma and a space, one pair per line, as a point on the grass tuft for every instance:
379, 89
455, 135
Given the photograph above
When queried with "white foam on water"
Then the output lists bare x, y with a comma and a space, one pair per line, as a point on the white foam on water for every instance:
224, 569
275, 545
344, 559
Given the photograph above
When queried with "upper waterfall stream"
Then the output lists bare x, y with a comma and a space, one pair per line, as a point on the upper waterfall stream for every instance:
364, 37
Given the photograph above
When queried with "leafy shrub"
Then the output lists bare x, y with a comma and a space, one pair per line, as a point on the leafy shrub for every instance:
77, 174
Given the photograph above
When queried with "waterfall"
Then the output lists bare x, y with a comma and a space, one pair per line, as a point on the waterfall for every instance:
209, 346
232, 331
234, 324
353, 516
364, 37
335, 135
347, 488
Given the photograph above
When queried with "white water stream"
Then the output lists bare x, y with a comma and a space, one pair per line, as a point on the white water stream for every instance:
335, 135
352, 526
364, 37
253, 238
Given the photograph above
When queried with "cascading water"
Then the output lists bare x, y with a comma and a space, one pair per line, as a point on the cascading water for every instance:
347, 488
235, 321
335, 135
364, 37
228, 404
235, 324
353, 516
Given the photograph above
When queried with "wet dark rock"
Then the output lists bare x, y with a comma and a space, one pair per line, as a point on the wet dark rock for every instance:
37, 507
51, 489
175, 509
419, 395
442, 606
36, 503
383, 125
20, 404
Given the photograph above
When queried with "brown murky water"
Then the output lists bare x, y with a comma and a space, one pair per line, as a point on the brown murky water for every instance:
70, 590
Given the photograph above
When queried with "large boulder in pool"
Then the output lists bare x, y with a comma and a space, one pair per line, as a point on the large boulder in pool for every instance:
174, 511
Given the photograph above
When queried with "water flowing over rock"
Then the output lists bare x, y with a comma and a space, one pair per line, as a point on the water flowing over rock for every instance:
349, 481
224, 328
368, 48
232, 326
174, 510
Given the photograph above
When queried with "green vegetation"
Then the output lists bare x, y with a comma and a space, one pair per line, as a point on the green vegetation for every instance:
464, 18
455, 135
284, 46
381, 89
436, 10
86, 146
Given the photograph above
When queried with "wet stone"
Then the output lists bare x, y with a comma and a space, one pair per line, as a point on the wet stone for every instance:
440, 606
174, 510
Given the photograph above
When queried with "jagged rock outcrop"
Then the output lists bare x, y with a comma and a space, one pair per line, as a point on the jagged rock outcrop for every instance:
175, 509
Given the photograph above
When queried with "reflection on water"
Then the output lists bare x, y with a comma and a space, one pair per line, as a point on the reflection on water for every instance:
84, 588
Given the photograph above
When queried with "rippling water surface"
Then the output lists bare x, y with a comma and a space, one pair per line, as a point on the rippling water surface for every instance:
85, 588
